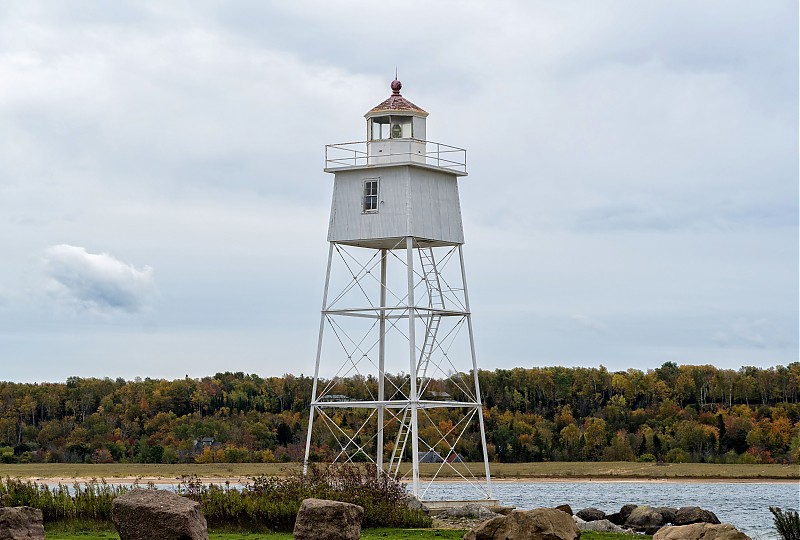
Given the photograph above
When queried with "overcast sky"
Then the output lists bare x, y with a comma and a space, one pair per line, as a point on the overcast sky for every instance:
632, 195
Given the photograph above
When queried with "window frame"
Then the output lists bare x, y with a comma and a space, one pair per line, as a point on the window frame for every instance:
365, 196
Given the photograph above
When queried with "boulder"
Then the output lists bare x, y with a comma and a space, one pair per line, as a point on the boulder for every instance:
626, 510
601, 525
144, 514
619, 518
467, 511
502, 510
686, 515
319, 519
538, 524
20, 522
415, 504
667, 513
701, 531
565, 508
644, 519
591, 514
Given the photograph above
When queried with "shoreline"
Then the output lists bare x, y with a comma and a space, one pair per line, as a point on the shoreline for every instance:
160, 480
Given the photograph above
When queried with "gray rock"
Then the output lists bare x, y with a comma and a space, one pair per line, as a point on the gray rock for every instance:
538, 524
467, 511
644, 519
502, 510
565, 508
21, 522
601, 525
686, 515
145, 514
590, 514
619, 518
319, 519
667, 513
415, 504
626, 510
701, 531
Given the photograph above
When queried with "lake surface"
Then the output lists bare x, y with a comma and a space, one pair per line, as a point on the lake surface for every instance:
744, 505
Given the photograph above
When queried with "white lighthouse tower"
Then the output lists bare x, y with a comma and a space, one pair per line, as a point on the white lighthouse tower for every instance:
396, 378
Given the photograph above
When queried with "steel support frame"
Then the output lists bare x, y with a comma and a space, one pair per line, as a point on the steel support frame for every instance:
412, 405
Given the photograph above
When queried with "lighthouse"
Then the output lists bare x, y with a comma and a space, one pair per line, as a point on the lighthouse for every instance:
396, 375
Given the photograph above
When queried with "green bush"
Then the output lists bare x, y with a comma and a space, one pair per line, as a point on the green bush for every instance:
787, 523
677, 455
272, 502
747, 459
646, 458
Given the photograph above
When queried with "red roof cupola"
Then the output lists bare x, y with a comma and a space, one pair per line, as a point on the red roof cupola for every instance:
396, 103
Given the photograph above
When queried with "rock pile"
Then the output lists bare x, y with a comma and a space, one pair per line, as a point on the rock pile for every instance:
642, 519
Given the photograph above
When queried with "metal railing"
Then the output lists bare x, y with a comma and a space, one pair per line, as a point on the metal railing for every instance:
356, 154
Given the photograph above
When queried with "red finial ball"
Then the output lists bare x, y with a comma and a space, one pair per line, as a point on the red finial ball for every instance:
396, 86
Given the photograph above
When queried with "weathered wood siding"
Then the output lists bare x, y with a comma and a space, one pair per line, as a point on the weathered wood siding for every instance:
412, 201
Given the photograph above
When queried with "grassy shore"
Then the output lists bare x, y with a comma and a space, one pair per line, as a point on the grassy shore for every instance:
219, 472
366, 534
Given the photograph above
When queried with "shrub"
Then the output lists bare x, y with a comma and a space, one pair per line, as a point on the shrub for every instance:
747, 459
102, 455
677, 455
646, 458
272, 502
787, 523
169, 456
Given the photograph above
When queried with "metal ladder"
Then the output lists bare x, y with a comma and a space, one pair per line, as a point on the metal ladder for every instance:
435, 302
433, 284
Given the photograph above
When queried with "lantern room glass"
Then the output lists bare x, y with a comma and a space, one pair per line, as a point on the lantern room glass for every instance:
390, 127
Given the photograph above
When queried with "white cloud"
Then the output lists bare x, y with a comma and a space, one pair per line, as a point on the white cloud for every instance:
744, 332
97, 282
590, 323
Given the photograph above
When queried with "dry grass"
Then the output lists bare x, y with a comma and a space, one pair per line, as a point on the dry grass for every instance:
554, 470
628, 470
112, 471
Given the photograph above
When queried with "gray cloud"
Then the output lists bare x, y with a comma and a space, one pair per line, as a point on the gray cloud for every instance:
97, 282
633, 163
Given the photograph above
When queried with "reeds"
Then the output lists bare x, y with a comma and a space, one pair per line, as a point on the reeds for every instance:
88, 501
265, 503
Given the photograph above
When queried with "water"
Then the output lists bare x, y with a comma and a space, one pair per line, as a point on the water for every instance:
744, 505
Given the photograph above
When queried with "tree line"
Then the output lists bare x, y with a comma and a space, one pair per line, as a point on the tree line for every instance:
672, 413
